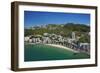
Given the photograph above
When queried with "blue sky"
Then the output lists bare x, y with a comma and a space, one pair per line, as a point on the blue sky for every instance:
33, 18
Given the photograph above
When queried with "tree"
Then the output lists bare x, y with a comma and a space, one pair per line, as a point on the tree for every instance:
85, 39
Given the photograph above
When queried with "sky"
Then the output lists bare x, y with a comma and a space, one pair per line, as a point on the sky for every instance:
36, 18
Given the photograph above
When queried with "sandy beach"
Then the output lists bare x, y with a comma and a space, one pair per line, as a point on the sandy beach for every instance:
63, 47
59, 46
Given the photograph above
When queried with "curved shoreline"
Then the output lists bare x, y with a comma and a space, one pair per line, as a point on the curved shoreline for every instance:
59, 46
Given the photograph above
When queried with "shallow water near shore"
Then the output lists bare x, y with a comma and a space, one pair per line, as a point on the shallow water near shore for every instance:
42, 52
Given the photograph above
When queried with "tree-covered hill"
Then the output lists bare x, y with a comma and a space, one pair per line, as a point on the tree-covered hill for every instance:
60, 29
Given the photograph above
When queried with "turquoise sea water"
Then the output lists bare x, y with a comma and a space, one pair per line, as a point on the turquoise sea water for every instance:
40, 52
